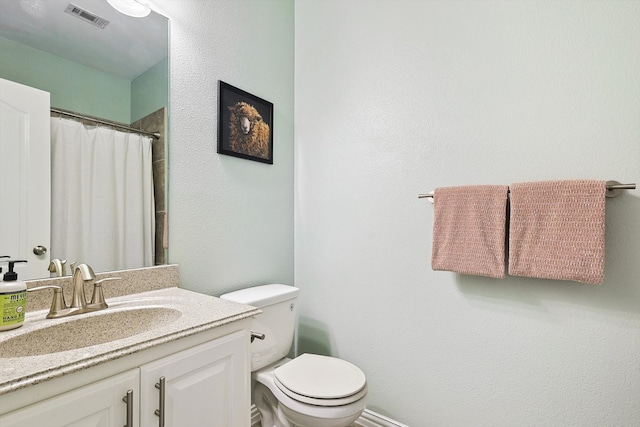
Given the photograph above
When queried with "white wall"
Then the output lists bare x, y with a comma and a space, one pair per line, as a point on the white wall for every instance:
230, 220
395, 98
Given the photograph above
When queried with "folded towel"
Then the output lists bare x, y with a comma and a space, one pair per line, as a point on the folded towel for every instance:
469, 230
557, 230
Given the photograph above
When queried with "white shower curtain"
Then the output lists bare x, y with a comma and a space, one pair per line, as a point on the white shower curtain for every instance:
102, 206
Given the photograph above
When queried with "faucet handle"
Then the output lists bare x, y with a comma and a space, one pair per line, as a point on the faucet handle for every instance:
97, 299
58, 303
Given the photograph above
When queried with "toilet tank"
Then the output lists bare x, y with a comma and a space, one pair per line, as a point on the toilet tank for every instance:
277, 320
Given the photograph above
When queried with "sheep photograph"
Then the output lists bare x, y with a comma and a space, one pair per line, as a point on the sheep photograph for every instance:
245, 125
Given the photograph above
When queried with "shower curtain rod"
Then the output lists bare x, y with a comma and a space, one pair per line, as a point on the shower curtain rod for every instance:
155, 135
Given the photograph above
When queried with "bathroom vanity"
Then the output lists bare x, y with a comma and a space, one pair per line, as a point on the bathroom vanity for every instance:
177, 356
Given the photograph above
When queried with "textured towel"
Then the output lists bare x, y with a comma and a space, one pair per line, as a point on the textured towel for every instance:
469, 230
557, 230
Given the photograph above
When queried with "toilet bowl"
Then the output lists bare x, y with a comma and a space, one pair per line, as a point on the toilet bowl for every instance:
308, 391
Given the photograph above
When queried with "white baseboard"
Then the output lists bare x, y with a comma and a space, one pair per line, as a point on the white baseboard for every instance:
367, 419
373, 419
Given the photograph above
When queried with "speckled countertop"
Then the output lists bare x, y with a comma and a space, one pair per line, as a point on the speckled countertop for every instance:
150, 318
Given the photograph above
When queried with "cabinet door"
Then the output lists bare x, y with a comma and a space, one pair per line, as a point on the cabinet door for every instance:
95, 405
207, 385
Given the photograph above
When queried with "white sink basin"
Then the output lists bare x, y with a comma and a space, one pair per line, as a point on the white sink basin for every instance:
86, 330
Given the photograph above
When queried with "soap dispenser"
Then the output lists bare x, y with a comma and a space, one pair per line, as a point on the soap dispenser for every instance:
13, 297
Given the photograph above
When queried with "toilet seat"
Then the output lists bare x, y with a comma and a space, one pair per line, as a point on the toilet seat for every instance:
321, 380
321, 402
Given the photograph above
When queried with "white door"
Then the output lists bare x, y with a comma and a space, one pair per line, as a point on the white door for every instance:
205, 386
97, 405
25, 177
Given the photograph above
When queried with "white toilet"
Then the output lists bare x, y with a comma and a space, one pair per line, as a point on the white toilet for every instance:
308, 391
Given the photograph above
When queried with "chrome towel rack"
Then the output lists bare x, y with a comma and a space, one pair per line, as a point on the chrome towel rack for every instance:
613, 189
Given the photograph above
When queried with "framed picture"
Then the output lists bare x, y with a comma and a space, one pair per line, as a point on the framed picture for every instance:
245, 124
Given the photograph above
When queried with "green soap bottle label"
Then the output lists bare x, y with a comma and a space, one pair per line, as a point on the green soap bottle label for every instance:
12, 307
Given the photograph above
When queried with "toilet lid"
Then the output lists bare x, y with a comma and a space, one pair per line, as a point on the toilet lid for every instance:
321, 377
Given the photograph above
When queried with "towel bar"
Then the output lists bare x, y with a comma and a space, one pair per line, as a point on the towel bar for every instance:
613, 189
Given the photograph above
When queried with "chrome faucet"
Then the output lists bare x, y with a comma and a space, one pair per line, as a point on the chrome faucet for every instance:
81, 274
57, 266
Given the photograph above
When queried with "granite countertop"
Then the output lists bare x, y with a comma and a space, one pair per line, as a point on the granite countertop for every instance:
174, 313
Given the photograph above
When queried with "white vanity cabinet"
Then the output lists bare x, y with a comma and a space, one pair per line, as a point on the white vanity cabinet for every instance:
202, 386
98, 404
206, 381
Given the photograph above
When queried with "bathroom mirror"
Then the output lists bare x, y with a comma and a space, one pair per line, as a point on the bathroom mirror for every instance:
101, 45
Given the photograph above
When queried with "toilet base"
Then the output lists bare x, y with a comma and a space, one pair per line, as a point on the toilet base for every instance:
269, 408
307, 421
275, 414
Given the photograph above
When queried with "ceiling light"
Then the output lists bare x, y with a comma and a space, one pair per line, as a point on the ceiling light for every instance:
35, 8
133, 8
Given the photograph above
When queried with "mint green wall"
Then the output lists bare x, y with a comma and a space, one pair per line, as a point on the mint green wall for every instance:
72, 86
236, 214
404, 96
150, 91
82, 89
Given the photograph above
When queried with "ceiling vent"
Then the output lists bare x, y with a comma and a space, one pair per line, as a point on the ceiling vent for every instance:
89, 17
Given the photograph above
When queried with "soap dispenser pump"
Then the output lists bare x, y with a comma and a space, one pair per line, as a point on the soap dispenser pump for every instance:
13, 297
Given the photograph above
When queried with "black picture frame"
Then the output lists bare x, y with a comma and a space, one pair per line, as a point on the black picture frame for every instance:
245, 124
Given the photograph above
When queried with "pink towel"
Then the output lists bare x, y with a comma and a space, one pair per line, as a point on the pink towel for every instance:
469, 230
557, 230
